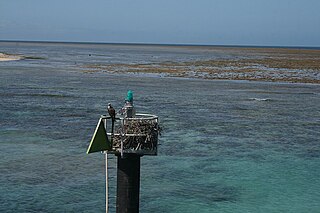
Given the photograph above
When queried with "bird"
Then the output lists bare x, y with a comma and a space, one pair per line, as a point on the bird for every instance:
112, 112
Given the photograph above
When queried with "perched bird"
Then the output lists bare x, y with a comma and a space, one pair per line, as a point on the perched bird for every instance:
112, 112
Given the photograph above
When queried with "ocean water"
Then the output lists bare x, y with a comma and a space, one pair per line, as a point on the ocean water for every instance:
226, 146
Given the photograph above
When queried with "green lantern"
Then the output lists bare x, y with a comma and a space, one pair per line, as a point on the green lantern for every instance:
129, 96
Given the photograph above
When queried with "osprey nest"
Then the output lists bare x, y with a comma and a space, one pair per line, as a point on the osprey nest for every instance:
137, 134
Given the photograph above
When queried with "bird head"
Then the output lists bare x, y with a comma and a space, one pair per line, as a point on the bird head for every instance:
109, 105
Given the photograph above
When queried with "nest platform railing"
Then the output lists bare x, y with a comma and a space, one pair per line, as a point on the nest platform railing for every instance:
138, 135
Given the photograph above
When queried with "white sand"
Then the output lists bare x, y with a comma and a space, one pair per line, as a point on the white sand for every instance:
5, 57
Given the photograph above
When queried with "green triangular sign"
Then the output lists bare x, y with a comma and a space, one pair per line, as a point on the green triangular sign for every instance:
99, 141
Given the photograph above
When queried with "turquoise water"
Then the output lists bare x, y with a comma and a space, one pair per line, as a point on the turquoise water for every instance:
227, 146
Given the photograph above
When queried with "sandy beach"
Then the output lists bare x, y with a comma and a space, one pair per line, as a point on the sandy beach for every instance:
7, 57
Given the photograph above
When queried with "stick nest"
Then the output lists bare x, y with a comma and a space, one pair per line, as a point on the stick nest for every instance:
146, 132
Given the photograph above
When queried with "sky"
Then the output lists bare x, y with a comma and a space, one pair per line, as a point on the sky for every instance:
211, 22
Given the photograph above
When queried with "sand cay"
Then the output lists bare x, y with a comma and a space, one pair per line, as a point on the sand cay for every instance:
254, 64
8, 57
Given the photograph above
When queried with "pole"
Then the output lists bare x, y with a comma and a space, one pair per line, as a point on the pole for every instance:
128, 183
107, 177
107, 185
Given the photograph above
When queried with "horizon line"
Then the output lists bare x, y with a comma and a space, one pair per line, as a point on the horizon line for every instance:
166, 44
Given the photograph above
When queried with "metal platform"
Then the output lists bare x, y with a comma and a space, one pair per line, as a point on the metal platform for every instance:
136, 135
